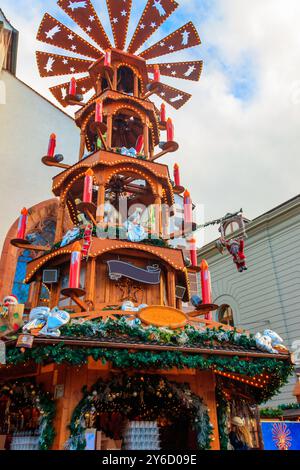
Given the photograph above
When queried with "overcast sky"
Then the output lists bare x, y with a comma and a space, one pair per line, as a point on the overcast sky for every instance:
239, 134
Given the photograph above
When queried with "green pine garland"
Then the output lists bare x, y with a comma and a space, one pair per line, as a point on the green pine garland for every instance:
222, 404
271, 413
25, 393
145, 397
278, 370
189, 336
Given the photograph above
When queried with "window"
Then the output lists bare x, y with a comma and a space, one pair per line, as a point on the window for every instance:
225, 315
21, 290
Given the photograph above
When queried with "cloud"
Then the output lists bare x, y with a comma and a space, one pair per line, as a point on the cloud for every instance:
238, 135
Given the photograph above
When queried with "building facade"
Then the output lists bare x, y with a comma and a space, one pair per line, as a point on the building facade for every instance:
26, 121
267, 295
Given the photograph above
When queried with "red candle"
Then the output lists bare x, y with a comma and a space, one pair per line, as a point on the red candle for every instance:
74, 279
99, 111
22, 224
156, 73
52, 145
188, 208
139, 144
72, 87
170, 130
176, 175
88, 186
163, 115
206, 286
107, 59
193, 251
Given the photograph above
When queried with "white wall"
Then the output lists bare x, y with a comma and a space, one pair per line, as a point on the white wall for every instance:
268, 294
26, 121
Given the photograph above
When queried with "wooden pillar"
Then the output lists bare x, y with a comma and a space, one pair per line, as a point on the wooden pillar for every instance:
82, 145
99, 86
90, 279
36, 294
158, 216
100, 203
166, 222
54, 295
206, 389
109, 130
136, 86
60, 221
146, 140
115, 79
171, 288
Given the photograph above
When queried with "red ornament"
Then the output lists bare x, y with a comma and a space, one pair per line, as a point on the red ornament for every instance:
88, 186
73, 87
52, 145
22, 224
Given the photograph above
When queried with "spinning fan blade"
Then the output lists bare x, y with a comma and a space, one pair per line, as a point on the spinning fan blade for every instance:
119, 14
182, 38
84, 14
52, 65
184, 70
176, 98
84, 85
51, 31
154, 15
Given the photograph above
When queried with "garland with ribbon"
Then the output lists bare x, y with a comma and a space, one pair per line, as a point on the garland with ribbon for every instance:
141, 397
26, 394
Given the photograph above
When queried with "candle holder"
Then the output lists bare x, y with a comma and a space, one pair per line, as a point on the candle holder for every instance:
74, 100
166, 147
19, 242
178, 189
162, 125
54, 161
203, 309
99, 128
152, 88
88, 208
73, 292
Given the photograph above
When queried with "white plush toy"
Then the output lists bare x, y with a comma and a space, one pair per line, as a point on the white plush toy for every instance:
268, 341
